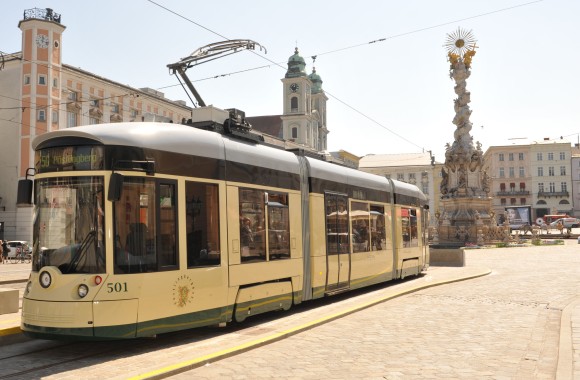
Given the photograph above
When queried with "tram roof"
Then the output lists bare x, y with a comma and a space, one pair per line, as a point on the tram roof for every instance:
343, 174
179, 138
410, 190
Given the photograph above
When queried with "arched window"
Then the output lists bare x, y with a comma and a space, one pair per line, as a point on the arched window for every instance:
564, 202
294, 104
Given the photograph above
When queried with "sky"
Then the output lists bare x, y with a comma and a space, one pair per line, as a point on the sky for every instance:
393, 95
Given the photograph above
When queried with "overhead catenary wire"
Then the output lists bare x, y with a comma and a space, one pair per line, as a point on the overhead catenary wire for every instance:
359, 45
318, 54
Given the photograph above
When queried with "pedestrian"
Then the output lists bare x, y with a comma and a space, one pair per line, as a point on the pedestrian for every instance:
5, 250
2, 253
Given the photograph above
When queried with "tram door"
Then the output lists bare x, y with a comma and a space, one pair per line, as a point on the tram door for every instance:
337, 242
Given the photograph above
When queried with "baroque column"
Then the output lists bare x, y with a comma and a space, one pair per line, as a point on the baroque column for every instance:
465, 186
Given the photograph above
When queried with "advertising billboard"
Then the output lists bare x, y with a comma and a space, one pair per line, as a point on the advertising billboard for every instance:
519, 215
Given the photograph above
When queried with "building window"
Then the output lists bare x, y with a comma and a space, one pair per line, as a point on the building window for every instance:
562, 170
512, 187
522, 201
512, 201
294, 133
503, 201
71, 119
539, 156
502, 186
42, 80
521, 156
522, 186
540, 171
552, 187
512, 172
27, 79
501, 173
94, 103
551, 156
562, 156
400, 176
564, 187
41, 115
72, 96
114, 108
93, 120
294, 104
541, 187
54, 116
550, 171
426, 188
522, 171
510, 156
55, 82
501, 156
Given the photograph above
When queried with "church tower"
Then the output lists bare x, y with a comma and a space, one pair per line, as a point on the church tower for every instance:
41, 78
298, 123
319, 99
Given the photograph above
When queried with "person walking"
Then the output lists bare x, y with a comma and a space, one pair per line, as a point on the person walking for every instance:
5, 250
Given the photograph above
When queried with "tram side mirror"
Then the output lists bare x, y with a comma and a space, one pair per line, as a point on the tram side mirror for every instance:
115, 187
24, 195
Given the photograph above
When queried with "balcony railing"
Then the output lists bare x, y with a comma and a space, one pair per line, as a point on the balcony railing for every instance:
42, 14
553, 194
510, 192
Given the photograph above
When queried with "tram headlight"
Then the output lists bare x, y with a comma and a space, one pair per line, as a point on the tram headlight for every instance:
83, 290
45, 279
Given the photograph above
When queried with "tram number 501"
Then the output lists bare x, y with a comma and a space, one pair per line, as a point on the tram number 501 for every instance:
117, 287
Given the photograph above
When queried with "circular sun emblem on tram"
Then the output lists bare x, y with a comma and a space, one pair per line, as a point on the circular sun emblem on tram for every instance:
183, 291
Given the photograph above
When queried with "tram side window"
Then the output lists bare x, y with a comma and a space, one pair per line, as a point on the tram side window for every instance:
337, 240
360, 216
145, 226
378, 233
409, 227
264, 225
167, 225
202, 216
252, 226
278, 226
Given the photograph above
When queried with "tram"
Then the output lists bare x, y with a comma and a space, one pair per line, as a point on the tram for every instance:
146, 228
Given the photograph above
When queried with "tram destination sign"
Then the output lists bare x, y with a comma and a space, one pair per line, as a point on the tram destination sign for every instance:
69, 158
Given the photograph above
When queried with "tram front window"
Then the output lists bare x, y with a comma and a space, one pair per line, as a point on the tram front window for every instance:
68, 224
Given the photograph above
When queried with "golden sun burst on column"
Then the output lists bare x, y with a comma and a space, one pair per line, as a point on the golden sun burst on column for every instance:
460, 41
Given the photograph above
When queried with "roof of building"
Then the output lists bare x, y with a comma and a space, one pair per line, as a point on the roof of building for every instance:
270, 124
393, 160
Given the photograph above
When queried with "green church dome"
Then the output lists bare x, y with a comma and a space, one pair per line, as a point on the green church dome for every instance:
316, 81
296, 66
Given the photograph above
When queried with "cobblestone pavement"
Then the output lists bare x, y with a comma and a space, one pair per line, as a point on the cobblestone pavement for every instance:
520, 322
502, 326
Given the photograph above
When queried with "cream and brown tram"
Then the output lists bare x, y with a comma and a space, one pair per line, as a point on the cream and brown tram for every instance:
147, 228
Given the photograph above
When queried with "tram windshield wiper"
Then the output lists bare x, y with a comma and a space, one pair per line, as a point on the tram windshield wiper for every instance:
81, 251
